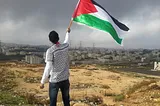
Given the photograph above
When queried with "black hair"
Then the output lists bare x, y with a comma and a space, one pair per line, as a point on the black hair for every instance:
53, 37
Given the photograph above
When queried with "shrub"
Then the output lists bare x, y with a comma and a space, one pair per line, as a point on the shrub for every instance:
139, 85
88, 73
96, 100
32, 79
105, 86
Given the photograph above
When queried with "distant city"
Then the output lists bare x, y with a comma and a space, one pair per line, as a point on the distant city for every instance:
81, 55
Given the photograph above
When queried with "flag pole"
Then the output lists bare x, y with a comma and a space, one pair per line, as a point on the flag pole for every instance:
70, 24
71, 21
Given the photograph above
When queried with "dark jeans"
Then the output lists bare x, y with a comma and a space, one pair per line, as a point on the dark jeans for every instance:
53, 91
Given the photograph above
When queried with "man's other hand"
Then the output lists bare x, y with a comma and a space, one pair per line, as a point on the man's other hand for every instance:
41, 86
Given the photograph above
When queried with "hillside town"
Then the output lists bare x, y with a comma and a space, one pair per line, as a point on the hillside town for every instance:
83, 55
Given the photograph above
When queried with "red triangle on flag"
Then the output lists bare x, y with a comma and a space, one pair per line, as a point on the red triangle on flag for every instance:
84, 7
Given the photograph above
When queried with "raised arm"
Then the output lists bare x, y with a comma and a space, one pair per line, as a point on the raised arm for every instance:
67, 36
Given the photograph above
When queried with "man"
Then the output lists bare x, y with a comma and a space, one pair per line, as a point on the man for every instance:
57, 69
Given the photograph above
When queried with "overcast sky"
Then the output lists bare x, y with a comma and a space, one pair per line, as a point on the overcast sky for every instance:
30, 21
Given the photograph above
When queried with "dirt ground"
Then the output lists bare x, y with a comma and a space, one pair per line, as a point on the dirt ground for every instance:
91, 85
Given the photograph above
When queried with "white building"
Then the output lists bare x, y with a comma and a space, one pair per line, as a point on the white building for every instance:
22, 53
12, 53
157, 66
33, 59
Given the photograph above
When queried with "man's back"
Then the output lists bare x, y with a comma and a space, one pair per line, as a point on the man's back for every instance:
58, 54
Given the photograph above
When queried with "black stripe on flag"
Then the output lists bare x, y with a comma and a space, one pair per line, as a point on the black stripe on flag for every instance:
119, 24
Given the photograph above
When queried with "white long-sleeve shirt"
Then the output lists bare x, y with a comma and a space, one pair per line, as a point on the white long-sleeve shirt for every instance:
57, 62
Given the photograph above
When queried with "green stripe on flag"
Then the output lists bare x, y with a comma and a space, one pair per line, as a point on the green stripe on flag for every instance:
97, 23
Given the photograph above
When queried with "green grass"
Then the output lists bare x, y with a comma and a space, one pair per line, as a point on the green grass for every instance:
7, 98
119, 97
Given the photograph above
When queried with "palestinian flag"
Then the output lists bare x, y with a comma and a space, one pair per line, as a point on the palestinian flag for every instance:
90, 13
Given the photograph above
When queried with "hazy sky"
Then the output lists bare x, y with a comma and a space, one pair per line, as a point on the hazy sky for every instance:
30, 21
